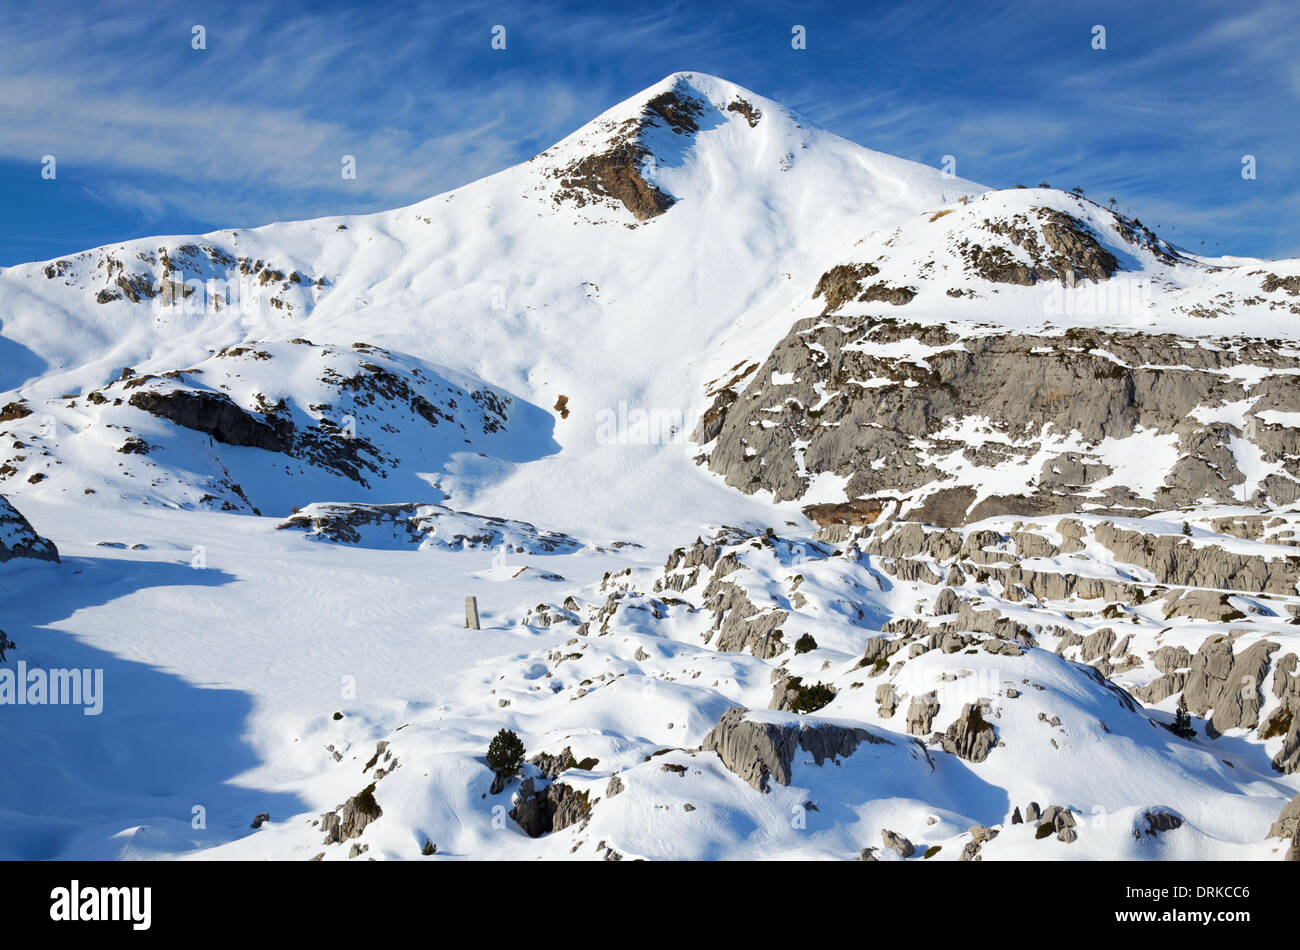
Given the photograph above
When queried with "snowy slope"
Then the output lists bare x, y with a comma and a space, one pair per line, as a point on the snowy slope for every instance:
275, 462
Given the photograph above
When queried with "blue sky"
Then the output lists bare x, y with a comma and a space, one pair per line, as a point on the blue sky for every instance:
153, 137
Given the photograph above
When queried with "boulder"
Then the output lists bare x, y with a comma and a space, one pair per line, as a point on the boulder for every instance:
896, 842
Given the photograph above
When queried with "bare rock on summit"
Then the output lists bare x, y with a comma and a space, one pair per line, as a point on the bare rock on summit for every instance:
613, 173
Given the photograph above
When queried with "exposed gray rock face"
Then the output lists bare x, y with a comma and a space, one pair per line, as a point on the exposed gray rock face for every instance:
970, 736
791, 694
614, 787
217, 415
757, 751
946, 603
896, 842
1168, 659
877, 651
1288, 826
552, 765
887, 697
980, 835
885, 437
352, 817
1229, 685
921, 713
1287, 760
1288, 822
1058, 820
741, 625
18, 539
1158, 690
1175, 560
553, 808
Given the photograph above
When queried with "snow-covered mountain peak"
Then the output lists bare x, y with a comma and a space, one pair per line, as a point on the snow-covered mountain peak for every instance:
691, 135
982, 486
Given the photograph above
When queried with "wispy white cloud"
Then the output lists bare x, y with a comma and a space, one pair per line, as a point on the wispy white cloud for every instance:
253, 128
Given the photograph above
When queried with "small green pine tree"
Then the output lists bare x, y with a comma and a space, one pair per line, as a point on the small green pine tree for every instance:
1183, 721
505, 753
805, 644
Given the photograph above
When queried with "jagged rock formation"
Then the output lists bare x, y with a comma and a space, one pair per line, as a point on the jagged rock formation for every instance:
886, 405
1057, 820
615, 171
1228, 684
215, 414
351, 818
18, 539
554, 807
414, 524
1287, 827
970, 736
980, 835
356, 413
758, 751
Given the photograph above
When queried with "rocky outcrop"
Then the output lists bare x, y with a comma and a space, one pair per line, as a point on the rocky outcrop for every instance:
887, 698
552, 808
758, 751
1176, 561
614, 171
873, 400
552, 765
1287, 825
1155, 822
414, 524
896, 842
970, 736
18, 539
921, 713
980, 836
742, 627
1161, 688
352, 817
1228, 684
217, 415
1055, 820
